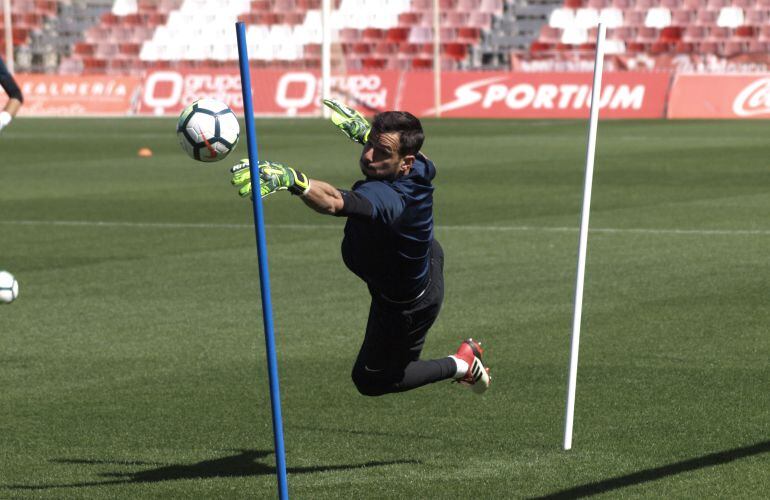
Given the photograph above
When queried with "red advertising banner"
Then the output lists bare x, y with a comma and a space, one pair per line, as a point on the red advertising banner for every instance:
298, 93
536, 95
278, 93
720, 96
77, 95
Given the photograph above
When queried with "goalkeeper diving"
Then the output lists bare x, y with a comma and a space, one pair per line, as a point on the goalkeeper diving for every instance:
389, 243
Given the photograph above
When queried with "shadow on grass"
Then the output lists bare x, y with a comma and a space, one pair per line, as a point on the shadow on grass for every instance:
648, 475
245, 463
405, 434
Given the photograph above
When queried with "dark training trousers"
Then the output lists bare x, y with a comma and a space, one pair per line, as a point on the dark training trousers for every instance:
395, 335
9, 84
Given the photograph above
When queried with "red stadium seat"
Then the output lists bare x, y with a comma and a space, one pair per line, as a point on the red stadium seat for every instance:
732, 48
348, 35
645, 34
422, 63
757, 47
373, 34
549, 34
397, 35
718, 4
407, 19
385, 49
541, 47
708, 47
694, 33
671, 34
374, 63
623, 33
468, 5
682, 17
684, 48
756, 16
468, 35
658, 48
746, 31
455, 51
707, 17
93, 65
129, 49
635, 47
312, 50
716, 33
84, 49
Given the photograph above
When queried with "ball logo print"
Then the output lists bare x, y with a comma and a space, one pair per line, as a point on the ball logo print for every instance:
9, 287
208, 130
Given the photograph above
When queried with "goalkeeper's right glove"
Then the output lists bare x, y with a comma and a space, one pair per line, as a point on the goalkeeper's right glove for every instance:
351, 122
274, 177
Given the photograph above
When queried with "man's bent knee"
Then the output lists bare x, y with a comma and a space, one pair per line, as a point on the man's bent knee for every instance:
370, 384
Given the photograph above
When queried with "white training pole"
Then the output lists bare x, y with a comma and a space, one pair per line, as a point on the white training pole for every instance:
437, 57
8, 35
581, 266
326, 54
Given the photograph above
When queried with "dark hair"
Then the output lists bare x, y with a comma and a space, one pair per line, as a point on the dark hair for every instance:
406, 124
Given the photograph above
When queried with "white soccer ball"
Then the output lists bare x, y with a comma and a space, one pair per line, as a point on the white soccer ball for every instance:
208, 130
9, 287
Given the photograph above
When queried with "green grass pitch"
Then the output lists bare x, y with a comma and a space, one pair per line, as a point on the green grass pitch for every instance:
133, 363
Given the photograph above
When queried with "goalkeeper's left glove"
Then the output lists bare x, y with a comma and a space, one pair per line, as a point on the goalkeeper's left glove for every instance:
274, 177
351, 122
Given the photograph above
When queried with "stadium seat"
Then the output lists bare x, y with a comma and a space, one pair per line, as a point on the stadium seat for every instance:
611, 17
561, 18
732, 48
730, 17
706, 17
586, 18
682, 17
745, 31
671, 34
756, 16
397, 35
455, 51
684, 48
613, 47
574, 36
658, 17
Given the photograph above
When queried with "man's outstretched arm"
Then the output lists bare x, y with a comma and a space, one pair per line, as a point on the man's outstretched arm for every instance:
318, 195
323, 198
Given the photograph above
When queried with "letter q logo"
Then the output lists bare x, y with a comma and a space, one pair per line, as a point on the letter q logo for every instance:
163, 90
291, 103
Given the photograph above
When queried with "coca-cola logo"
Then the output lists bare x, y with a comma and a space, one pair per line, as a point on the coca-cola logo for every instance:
754, 99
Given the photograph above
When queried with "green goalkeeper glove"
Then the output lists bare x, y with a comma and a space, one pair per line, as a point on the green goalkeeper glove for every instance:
351, 122
274, 177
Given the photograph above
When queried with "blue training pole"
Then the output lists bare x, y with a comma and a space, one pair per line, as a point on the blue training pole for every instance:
264, 275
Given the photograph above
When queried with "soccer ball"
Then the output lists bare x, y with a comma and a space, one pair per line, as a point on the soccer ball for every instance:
208, 130
9, 287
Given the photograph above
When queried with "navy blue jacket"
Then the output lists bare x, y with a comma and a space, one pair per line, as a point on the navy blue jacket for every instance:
390, 248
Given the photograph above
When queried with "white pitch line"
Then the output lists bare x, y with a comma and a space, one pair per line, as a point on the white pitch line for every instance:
203, 225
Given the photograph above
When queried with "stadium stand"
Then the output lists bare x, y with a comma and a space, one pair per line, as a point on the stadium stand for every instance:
130, 36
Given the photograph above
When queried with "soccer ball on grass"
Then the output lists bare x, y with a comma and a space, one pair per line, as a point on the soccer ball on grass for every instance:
208, 130
9, 287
